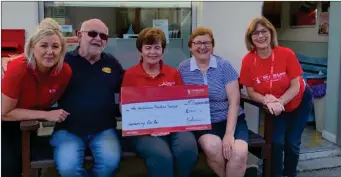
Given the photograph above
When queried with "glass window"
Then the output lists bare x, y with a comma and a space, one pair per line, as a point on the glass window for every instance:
125, 20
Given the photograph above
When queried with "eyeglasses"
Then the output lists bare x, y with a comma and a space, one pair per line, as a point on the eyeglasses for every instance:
205, 43
94, 34
257, 33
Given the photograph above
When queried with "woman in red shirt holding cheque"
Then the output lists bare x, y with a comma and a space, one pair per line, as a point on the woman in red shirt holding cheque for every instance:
165, 154
272, 76
32, 83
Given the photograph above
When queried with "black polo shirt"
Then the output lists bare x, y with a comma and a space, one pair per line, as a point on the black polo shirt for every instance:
90, 95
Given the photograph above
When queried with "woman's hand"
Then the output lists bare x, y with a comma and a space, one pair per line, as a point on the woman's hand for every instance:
58, 115
268, 98
228, 146
275, 108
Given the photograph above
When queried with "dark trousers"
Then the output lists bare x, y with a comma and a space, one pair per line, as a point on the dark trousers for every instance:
10, 153
287, 131
173, 155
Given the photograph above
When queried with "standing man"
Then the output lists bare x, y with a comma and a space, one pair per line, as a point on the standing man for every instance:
90, 100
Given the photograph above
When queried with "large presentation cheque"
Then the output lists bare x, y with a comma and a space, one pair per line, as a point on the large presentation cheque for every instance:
152, 110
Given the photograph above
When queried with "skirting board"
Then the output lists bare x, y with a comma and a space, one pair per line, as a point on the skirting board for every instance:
329, 136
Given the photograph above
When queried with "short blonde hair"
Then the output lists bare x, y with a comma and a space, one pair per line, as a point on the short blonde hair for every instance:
252, 27
47, 27
200, 31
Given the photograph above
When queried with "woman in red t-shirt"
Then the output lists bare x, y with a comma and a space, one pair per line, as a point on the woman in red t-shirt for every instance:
32, 83
272, 76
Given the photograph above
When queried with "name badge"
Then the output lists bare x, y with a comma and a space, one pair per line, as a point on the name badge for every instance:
106, 70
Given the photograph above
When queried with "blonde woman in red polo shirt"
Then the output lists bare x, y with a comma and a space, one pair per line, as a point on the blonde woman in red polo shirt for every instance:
169, 154
31, 84
272, 76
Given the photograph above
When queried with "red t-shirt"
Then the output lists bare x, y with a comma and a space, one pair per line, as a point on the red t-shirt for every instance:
32, 89
255, 72
136, 76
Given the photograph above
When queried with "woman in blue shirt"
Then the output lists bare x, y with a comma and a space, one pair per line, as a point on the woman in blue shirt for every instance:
226, 144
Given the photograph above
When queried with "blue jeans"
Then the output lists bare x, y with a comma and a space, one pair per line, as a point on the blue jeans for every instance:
69, 152
287, 131
168, 156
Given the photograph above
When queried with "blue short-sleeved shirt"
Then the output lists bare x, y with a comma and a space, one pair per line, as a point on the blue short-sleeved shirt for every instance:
219, 73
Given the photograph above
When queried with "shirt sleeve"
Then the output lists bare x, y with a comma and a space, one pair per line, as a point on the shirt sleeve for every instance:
66, 76
245, 73
294, 68
229, 73
11, 83
125, 83
178, 78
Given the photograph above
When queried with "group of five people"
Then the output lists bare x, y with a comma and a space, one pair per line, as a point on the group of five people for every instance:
84, 82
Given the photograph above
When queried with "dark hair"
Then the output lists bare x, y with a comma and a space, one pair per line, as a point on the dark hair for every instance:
150, 36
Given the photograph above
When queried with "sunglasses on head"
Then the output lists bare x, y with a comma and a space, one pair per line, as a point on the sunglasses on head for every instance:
94, 34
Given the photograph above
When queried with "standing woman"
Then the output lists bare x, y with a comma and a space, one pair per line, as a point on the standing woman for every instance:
272, 76
166, 154
226, 144
33, 82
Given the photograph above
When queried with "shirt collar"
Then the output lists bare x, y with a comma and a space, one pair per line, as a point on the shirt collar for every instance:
75, 53
53, 73
162, 68
212, 64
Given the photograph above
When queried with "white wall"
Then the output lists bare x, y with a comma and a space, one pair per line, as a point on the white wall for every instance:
308, 34
228, 21
20, 15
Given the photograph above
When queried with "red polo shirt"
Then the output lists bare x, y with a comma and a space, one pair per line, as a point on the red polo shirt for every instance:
32, 89
136, 76
255, 72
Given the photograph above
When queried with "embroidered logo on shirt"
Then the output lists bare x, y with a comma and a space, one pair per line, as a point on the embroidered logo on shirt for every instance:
106, 70
167, 84
52, 90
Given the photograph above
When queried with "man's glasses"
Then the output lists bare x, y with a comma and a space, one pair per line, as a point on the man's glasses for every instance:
94, 34
199, 43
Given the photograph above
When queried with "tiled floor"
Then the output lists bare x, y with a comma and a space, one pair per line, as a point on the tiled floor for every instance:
312, 141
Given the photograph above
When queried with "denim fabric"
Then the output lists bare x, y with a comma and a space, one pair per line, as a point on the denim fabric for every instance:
241, 132
287, 131
69, 152
167, 156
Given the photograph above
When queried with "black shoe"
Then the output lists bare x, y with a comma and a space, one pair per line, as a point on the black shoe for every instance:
251, 172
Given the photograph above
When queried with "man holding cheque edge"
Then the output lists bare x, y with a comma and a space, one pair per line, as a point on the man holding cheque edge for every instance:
165, 154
